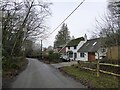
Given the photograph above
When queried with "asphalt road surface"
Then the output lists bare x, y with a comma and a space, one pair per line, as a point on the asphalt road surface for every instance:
40, 75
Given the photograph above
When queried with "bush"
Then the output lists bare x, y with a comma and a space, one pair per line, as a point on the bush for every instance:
6, 63
15, 66
11, 63
52, 57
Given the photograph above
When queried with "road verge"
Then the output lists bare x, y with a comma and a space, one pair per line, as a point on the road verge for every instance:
9, 76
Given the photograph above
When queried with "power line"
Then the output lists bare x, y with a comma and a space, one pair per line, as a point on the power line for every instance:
65, 19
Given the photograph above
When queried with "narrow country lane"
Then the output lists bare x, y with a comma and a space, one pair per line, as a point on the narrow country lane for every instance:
40, 75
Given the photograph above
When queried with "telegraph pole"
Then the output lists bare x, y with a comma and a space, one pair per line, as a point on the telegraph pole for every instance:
98, 65
41, 49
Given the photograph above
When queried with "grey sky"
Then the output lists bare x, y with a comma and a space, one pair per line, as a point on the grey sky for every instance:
81, 22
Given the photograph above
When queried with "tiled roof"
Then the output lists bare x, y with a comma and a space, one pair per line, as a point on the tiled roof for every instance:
75, 42
91, 45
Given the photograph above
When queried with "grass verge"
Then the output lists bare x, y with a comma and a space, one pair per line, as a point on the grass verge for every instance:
90, 79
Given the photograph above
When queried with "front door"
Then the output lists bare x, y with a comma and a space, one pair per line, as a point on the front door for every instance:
91, 56
75, 56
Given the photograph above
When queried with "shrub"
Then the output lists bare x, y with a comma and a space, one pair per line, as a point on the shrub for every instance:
11, 63
52, 57
15, 66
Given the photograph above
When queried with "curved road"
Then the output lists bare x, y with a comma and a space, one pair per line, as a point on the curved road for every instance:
40, 75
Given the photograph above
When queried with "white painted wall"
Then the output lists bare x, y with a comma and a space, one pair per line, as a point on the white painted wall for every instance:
85, 58
96, 56
75, 50
100, 54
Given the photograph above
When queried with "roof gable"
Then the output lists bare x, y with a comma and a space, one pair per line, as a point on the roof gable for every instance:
63, 50
91, 45
61, 46
75, 42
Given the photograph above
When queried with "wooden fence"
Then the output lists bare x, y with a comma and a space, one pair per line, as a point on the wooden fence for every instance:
97, 70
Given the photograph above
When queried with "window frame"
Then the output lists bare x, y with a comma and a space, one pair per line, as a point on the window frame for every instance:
75, 47
82, 55
68, 47
71, 55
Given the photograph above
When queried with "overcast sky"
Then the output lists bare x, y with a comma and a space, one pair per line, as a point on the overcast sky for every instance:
81, 22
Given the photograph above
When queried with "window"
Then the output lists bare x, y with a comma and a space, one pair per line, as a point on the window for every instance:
68, 47
74, 47
103, 50
81, 54
75, 55
71, 54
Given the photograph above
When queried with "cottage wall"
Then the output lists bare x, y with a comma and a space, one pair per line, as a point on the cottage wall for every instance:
75, 50
85, 58
100, 54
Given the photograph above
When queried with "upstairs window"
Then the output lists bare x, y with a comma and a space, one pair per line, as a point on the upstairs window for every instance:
103, 50
68, 47
82, 55
74, 47
71, 55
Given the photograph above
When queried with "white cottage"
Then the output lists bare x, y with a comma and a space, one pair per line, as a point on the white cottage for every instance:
73, 46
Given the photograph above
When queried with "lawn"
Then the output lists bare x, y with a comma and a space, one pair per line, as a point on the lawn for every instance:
90, 79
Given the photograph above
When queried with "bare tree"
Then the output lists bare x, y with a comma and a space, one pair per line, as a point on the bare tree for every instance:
22, 20
109, 28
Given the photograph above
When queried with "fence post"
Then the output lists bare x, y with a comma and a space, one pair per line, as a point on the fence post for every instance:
98, 66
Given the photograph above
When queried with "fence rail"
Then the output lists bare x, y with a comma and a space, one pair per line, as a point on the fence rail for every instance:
109, 73
98, 70
114, 65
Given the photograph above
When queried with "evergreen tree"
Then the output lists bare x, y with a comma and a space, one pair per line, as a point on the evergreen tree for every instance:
62, 37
